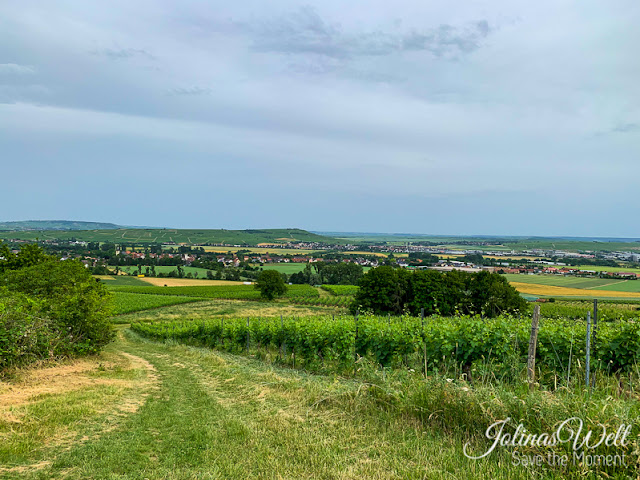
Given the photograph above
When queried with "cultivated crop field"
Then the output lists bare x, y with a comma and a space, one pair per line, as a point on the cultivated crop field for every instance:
441, 342
243, 292
287, 268
202, 272
121, 281
134, 302
577, 309
188, 282
553, 291
341, 290
259, 250
562, 281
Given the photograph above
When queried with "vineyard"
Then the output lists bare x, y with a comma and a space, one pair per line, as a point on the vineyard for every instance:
124, 302
577, 309
240, 292
341, 290
435, 342
336, 301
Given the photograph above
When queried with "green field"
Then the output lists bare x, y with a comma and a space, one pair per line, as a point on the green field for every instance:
122, 281
192, 237
202, 272
613, 285
135, 302
242, 292
287, 268
631, 269
624, 286
498, 243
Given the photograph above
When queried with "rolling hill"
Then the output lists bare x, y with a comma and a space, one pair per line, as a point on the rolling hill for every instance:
122, 235
29, 225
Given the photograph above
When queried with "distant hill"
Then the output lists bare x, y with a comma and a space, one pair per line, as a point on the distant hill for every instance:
55, 225
130, 236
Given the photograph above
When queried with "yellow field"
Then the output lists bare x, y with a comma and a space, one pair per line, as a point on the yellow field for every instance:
261, 250
186, 282
376, 254
536, 289
505, 258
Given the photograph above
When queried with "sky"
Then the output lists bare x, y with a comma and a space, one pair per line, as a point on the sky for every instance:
437, 117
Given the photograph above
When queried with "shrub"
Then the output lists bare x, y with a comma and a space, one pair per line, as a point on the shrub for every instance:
57, 303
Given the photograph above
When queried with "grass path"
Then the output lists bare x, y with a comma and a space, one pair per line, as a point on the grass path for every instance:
209, 415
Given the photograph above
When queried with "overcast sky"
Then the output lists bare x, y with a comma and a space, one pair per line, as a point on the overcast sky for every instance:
496, 117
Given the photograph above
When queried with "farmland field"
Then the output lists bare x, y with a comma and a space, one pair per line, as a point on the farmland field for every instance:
121, 281
631, 269
134, 302
187, 282
341, 289
244, 292
577, 309
623, 286
260, 250
554, 291
561, 281
202, 272
287, 268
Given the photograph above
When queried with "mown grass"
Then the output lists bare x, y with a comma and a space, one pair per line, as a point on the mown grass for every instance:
222, 416
206, 309
47, 410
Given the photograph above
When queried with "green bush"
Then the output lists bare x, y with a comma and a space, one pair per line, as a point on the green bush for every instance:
50, 309
24, 335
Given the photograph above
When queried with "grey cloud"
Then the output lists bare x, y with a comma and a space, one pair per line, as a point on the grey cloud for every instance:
626, 128
189, 91
16, 68
305, 32
447, 40
123, 54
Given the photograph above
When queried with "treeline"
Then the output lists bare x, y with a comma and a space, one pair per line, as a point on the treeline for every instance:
323, 273
398, 291
49, 308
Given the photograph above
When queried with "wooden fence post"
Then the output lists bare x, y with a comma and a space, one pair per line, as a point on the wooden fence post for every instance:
424, 343
588, 360
595, 331
533, 343
247, 334
355, 347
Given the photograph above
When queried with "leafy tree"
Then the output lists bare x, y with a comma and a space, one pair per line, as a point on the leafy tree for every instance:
388, 290
383, 290
28, 256
474, 258
339, 273
270, 284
